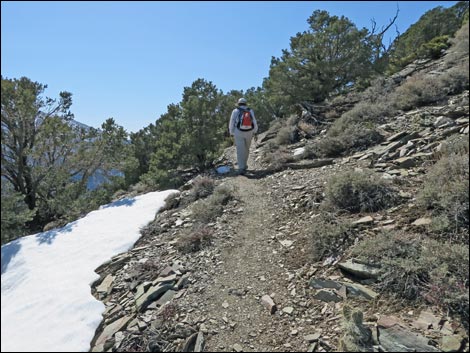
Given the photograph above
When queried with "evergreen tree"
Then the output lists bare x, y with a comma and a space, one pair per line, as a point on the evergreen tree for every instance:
47, 159
331, 56
15, 213
427, 37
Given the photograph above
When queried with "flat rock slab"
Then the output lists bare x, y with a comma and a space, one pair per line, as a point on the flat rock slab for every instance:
395, 338
359, 270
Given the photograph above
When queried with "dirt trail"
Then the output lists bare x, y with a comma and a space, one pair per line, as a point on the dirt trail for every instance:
251, 268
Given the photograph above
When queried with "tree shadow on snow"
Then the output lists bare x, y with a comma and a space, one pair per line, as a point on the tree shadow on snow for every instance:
123, 202
49, 236
9, 251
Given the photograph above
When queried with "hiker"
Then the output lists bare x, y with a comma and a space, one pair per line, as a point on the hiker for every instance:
243, 126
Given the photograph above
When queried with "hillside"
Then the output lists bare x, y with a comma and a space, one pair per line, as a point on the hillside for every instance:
269, 261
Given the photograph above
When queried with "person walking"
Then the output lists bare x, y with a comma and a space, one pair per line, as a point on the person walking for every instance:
243, 126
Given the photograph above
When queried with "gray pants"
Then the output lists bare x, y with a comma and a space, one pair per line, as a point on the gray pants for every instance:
243, 143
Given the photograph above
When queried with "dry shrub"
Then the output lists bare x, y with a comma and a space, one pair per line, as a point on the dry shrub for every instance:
202, 187
445, 192
418, 269
330, 237
209, 209
359, 191
172, 201
196, 240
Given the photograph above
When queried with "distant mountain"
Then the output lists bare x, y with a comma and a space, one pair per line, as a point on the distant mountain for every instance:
76, 123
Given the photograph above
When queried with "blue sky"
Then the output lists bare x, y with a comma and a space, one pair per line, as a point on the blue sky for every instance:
130, 60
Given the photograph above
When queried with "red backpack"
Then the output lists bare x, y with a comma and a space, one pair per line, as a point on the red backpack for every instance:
245, 120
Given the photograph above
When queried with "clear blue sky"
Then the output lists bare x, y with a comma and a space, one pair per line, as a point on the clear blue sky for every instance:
130, 60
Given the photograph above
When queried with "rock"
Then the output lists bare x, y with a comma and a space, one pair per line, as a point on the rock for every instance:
299, 151
105, 285
151, 295
422, 222
396, 338
442, 120
310, 164
357, 289
288, 310
225, 305
364, 220
199, 345
313, 347
313, 337
165, 298
111, 329
190, 343
167, 271
267, 301
237, 348
397, 136
287, 243
388, 321
427, 320
166, 279
324, 283
182, 282
452, 343
327, 296
141, 289
359, 270
406, 162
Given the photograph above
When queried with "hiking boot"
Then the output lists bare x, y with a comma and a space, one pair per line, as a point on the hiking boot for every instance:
242, 172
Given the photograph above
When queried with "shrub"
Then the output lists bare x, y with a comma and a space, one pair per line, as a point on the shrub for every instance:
456, 79
278, 158
330, 237
361, 113
363, 191
434, 48
326, 147
397, 253
209, 209
355, 137
460, 46
454, 145
376, 94
196, 240
172, 201
202, 188
419, 270
287, 135
445, 192
417, 91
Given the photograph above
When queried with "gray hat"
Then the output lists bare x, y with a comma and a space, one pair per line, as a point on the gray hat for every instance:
242, 101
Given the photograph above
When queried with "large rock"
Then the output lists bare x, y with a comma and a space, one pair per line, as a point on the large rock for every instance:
318, 283
394, 337
452, 343
358, 290
151, 295
106, 284
111, 329
327, 296
268, 302
359, 270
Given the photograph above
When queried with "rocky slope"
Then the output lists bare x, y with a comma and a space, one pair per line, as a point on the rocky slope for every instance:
251, 284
